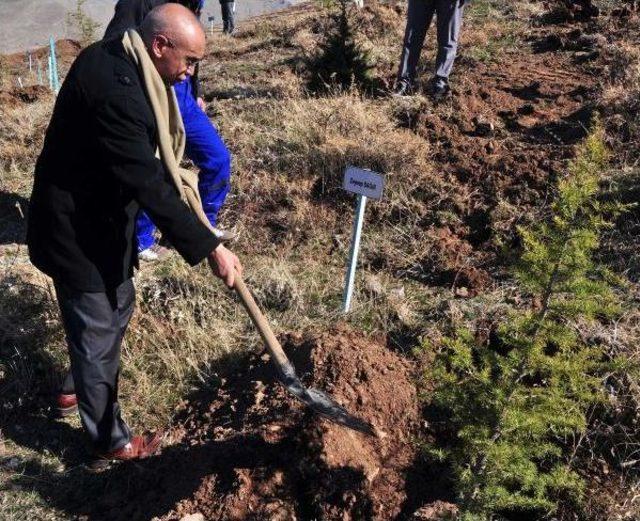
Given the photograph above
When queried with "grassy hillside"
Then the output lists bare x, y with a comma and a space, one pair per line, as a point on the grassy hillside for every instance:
437, 251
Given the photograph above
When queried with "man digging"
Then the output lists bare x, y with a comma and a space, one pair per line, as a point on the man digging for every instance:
98, 166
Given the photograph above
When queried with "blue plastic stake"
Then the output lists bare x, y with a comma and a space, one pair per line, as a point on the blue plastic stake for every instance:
353, 256
54, 65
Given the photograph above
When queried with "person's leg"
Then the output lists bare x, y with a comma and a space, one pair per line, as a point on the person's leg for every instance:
419, 16
208, 152
231, 24
145, 228
95, 324
68, 386
144, 231
66, 400
226, 8
449, 23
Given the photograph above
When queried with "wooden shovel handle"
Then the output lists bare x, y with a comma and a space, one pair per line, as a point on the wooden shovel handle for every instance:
260, 321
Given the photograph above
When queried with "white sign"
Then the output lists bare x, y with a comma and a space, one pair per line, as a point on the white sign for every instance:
363, 182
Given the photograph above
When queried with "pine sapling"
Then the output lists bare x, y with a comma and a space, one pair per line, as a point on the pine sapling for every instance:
340, 61
514, 401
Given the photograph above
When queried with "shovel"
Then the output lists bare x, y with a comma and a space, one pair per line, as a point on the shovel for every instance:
314, 398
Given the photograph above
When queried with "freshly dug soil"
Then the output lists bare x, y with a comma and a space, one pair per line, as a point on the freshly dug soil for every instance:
242, 448
287, 463
501, 141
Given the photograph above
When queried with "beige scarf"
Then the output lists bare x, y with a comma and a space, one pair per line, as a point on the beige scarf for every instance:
171, 135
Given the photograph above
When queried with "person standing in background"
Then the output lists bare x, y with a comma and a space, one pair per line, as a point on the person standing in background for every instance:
449, 22
227, 8
204, 145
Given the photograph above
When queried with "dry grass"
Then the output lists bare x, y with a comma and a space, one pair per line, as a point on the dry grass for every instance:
290, 150
21, 135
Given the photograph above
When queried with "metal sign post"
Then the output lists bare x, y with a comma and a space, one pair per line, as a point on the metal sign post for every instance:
211, 20
366, 184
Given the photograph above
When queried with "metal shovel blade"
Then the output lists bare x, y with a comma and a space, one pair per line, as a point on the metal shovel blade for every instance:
321, 403
317, 400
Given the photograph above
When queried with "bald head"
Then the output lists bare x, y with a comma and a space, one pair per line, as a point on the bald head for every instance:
171, 19
175, 40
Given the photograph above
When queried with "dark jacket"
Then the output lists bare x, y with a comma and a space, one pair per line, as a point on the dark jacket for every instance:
97, 166
129, 15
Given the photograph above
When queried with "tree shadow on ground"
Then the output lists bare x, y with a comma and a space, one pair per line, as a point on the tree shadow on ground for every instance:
13, 225
429, 480
29, 372
620, 246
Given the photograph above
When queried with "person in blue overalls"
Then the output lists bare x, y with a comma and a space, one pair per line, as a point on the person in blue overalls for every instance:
204, 146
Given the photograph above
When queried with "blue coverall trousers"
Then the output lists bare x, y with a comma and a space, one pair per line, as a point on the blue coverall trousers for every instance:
207, 151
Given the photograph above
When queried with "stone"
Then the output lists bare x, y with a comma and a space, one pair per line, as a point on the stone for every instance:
193, 517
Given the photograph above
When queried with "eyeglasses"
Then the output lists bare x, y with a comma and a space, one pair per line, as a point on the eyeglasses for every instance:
189, 61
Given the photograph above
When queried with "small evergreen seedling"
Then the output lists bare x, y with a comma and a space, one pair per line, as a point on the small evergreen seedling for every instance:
81, 24
340, 61
514, 401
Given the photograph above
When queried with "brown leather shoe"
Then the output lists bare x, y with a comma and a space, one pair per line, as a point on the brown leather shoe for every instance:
67, 404
139, 447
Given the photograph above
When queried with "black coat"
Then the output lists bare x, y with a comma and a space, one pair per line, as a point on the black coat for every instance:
97, 167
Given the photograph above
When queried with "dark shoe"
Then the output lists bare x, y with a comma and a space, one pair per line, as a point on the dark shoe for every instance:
403, 88
440, 88
67, 404
139, 447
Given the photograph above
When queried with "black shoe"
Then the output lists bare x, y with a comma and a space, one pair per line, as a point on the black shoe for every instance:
440, 88
403, 88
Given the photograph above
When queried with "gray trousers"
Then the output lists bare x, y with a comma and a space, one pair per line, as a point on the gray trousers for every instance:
419, 16
226, 9
94, 324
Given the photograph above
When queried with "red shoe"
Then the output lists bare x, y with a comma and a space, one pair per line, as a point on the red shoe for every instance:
139, 447
67, 404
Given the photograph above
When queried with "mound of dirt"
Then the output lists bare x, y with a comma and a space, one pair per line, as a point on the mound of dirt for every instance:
302, 467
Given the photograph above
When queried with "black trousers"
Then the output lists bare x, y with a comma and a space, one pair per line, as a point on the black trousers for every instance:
95, 324
227, 17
